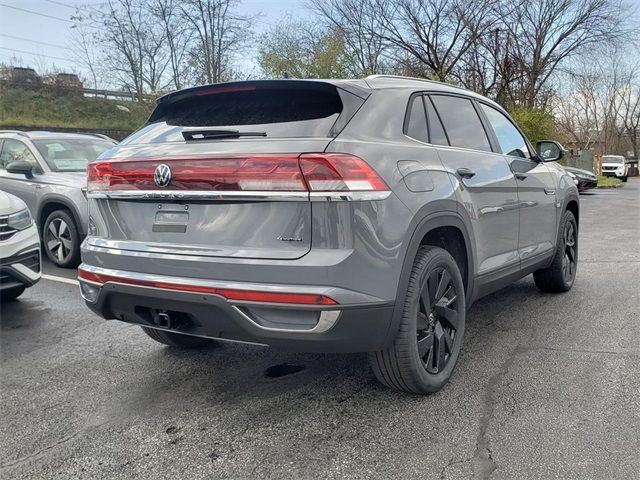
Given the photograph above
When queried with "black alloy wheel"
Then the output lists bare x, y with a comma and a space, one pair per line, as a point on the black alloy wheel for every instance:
437, 322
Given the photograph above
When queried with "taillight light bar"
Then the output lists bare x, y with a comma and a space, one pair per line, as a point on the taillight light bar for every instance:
228, 293
308, 172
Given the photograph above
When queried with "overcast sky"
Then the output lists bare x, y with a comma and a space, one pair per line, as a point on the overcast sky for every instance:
28, 31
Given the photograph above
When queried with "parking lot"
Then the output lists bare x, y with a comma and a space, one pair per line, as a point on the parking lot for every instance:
548, 386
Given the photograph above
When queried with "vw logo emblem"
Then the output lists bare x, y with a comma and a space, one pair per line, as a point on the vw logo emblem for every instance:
162, 175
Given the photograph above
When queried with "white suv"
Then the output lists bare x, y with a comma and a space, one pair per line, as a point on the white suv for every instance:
19, 248
615, 166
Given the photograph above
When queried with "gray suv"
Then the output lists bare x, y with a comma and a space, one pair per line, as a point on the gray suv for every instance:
47, 170
325, 216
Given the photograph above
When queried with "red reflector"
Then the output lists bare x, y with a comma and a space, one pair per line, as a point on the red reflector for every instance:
228, 293
329, 172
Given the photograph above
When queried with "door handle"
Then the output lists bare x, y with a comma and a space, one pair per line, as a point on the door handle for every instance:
465, 172
520, 176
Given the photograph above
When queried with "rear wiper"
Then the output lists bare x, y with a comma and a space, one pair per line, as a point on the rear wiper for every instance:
218, 134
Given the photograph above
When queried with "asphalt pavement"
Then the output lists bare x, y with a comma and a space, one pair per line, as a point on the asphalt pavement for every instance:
548, 386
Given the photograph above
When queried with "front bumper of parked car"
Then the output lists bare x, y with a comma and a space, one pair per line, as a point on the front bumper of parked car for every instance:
20, 261
356, 323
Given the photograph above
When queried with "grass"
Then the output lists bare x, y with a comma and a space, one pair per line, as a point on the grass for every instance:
609, 182
26, 108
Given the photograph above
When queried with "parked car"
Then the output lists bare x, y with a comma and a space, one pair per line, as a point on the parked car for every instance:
19, 248
615, 166
48, 171
585, 180
325, 216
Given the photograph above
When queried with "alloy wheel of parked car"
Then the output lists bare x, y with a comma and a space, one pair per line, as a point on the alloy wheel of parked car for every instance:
560, 275
61, 240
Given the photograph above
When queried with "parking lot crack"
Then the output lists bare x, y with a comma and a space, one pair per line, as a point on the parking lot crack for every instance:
484, 464
42, 451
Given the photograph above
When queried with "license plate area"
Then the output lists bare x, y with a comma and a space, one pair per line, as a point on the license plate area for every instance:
171, 221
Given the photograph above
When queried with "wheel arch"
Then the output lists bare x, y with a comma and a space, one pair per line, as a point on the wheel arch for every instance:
52, 203
448, 230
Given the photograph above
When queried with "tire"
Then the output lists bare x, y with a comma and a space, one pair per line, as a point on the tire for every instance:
176, 340
61, 240
624, 179
561, 274
421, 359
11, 294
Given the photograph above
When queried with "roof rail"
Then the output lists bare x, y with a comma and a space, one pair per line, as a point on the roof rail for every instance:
17, 132
417, 79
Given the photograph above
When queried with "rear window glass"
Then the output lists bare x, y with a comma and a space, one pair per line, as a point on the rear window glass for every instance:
436, 130
461, 122
280, 109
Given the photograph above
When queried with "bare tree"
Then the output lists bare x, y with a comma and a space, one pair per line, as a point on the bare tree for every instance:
360, 27
547, 32
219, 32
177, 34
433, 33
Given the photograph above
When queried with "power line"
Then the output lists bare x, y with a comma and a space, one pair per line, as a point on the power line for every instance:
37, 54
35, 41
38, 13
62, 4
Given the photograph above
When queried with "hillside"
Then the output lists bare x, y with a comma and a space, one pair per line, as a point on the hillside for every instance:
26, 108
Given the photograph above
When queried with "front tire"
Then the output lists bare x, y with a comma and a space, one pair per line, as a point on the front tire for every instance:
61, 240
424, 353
561, 274
11, 294
176, 340
624, 179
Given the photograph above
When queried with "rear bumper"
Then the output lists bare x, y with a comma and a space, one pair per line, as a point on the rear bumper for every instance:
357, 323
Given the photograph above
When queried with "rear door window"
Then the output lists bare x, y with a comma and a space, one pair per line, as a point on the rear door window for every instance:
461, 122
417, 121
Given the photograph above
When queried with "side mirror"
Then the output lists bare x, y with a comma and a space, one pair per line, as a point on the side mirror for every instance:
21, 167
549, 150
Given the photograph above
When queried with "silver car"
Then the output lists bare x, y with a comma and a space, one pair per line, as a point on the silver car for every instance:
47, 170
19, 248
331, 216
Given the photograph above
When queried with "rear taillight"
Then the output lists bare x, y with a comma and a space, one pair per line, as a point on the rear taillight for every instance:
250, 173
314, 172
339, 172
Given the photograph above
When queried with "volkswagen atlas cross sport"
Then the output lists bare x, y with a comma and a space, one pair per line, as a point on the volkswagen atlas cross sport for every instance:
325, 216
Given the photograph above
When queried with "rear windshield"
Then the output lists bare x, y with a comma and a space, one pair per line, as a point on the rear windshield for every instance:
71, 155
278, 108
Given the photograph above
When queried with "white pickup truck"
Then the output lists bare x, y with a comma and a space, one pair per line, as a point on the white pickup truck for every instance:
615, 166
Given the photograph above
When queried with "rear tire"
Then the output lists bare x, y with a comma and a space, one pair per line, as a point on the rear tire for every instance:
176, 340
424, 353
561, 274
11, 294
61, 240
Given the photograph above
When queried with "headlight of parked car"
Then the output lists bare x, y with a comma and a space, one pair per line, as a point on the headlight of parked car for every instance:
20, 220
573, 177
